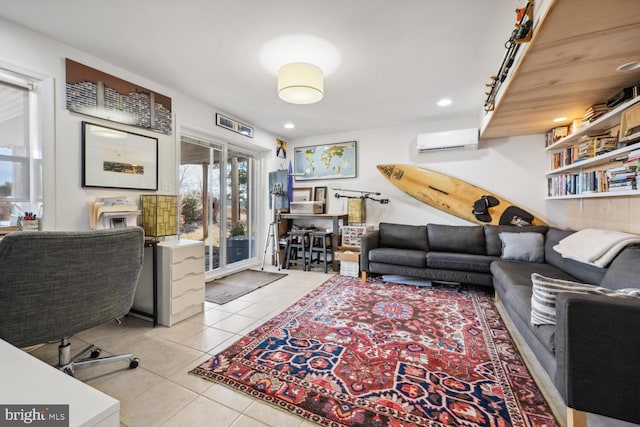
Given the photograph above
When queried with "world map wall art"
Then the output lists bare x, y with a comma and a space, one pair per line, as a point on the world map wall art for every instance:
328, 161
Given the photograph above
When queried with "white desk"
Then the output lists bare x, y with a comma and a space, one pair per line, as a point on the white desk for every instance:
27, 380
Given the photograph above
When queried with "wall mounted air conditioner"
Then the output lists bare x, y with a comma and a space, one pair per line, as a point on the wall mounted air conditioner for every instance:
462, 139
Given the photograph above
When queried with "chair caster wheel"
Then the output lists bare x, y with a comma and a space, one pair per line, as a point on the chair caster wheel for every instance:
95, 353
133, 363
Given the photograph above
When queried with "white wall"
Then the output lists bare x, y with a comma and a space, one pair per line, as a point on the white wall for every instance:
510, 167
30, 51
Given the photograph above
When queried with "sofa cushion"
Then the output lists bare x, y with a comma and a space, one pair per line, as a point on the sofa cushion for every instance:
583, 272
456, 238
402, 236
492, 239
519, 302
545, 291
457, 261
522, 246
624, 270
513, 273
408, 257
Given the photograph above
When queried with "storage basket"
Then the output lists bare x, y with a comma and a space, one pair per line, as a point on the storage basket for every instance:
348, 268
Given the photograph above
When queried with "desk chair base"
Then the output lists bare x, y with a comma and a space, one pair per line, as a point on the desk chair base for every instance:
69, 364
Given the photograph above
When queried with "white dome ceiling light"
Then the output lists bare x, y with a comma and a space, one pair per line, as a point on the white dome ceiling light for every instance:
301, 63
300, 83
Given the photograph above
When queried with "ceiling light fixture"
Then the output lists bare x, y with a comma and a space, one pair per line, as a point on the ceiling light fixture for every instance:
559, 119
289, 126
629, 66
444, 102
300, 83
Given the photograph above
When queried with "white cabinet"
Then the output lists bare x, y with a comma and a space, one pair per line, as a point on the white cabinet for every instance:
181, 280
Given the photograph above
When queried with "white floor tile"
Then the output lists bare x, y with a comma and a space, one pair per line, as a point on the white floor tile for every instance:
161, 392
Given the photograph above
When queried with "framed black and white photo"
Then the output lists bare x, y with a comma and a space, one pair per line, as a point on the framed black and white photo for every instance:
234, 125
113, 158
320, 195
225, 122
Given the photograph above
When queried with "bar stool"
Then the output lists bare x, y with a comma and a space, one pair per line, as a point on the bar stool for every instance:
321, 244
297, 242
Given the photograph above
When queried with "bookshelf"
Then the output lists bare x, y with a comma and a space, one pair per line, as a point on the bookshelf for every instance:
602, 159
582, 179
602, 123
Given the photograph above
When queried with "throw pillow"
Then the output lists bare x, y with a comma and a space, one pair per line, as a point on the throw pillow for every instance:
546, 289
522, 246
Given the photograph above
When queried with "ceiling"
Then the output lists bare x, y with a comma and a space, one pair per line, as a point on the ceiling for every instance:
396, 58
570, 65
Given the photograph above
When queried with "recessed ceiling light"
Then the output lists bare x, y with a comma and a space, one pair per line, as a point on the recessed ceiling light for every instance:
559, 119
444, 102
629, 66
289, 125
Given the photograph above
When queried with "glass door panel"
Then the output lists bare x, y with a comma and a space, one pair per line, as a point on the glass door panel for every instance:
200, 195
240, 193
217, 201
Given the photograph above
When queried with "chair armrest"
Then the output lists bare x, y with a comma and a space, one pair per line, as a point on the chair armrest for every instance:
598, 354
369, 240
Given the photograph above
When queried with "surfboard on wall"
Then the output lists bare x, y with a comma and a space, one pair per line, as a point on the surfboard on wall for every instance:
456, 197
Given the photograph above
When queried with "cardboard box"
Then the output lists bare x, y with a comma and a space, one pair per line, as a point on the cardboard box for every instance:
305, 207
347, 254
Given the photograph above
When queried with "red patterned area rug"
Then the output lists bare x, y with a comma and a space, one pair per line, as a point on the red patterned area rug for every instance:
383, 354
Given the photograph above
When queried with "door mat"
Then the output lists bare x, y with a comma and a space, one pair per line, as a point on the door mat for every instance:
228, 288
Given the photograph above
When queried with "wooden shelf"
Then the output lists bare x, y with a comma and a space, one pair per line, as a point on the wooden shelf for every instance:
594, 161
596, 195
604, 122
569, 65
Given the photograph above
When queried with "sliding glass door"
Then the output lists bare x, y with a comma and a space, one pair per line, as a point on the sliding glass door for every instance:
240, 236
217, 193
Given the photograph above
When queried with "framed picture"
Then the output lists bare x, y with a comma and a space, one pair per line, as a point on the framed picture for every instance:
94, 93
301, 194
225, 122
234, 125
320, 195
281, 148
113, 158
329, 161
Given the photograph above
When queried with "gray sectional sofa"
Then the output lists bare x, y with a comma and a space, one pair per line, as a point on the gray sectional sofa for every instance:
592, 353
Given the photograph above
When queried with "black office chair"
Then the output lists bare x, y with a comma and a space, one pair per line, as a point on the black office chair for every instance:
54, 284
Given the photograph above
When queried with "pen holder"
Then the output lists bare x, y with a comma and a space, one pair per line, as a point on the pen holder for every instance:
28, 225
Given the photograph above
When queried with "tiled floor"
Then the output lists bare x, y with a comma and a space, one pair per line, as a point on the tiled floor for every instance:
160, 392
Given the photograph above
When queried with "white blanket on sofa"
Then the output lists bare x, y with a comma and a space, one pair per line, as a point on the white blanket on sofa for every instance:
594, 246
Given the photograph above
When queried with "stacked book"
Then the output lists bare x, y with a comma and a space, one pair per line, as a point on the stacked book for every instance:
595, 145
595, 111
622, 178
633, 156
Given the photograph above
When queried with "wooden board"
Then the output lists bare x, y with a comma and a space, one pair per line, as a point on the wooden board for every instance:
450, 194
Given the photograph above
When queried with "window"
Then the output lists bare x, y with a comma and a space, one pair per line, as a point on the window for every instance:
20, 150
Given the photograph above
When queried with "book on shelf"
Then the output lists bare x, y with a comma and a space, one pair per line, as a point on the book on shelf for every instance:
622, 188
633, 155
594, 111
